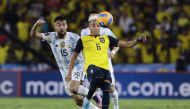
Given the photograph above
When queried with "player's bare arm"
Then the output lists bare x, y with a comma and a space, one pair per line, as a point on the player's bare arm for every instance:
112, 53
34, 32
129, 44
71, 66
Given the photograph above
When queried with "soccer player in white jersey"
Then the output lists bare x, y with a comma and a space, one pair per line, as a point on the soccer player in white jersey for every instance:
63, 44
106, 31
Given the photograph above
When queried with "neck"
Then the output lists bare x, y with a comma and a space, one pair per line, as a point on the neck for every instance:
62, 36
94, 34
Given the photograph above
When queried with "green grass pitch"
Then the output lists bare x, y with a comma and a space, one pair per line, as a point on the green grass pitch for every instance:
62, 103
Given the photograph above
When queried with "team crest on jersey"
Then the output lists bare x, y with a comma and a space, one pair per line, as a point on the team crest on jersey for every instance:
102, 39
62, 44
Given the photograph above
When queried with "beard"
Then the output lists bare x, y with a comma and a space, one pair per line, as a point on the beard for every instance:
61, 34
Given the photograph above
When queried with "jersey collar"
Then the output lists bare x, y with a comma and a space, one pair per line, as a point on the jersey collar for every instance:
95, 35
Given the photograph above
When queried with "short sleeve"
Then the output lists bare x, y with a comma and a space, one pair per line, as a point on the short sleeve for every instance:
113, 41
79, 46
47, 36
77, 37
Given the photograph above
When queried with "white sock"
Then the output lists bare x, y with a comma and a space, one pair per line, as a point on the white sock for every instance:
92, 106
83, 91
114, 97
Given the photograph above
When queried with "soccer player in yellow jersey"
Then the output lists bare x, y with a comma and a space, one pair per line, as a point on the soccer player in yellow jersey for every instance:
94, 48
105, 30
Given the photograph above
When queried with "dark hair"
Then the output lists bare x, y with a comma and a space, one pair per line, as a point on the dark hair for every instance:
93, 12
59, 18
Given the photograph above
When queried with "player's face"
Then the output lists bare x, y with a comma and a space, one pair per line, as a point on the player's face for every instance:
60, 26
94, 27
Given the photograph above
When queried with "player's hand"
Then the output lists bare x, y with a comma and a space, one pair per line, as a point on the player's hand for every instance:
112, 54
40, 21
142, 38
68, 77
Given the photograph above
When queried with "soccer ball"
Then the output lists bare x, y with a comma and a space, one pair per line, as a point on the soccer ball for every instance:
105, 18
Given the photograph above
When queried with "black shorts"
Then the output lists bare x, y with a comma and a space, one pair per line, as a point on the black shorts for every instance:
97, 72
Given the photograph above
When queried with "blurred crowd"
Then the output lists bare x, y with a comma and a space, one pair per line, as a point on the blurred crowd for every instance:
166, 22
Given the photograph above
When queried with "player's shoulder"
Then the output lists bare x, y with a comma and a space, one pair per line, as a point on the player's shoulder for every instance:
85, 29
50, 33
71, 34
49, 36
86, 37
105, 29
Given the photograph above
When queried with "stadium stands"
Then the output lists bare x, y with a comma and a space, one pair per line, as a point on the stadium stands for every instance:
166, 22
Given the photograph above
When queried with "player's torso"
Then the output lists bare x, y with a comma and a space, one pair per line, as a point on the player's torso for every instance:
63, 50
95, 50
103, 31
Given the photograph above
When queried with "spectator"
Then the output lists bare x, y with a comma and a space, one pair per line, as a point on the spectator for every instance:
4, 48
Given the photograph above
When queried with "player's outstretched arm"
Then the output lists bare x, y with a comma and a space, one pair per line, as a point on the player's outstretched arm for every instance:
115, 50
129, 44
34, 32
71, 66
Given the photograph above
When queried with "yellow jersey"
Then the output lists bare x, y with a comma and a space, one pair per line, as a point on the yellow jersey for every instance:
95, 50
